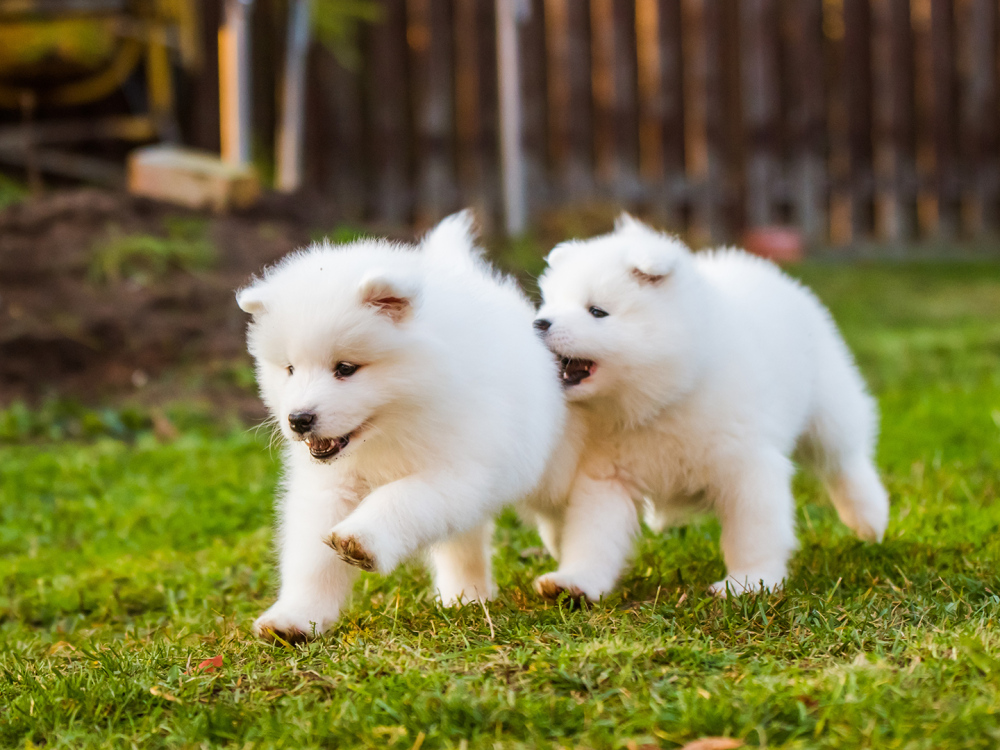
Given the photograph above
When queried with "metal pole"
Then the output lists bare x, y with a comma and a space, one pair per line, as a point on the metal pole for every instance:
234, 82
509, 74
293, 104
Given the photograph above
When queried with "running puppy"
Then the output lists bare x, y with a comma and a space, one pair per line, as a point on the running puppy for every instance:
416, 401
691, 381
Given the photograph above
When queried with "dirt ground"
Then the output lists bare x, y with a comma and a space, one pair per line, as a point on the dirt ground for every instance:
174, 333
65, 331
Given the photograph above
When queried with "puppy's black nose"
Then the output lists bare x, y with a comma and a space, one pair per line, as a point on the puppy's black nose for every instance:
301, 421
542, 325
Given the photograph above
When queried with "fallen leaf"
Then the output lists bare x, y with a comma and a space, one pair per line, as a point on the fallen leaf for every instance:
714, 743
209, 665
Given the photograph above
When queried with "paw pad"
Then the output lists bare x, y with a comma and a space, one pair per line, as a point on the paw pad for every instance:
351, 551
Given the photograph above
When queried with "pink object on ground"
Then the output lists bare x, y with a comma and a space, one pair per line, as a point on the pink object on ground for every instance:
780, 244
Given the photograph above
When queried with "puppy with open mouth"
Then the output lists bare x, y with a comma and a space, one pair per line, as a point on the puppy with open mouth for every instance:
691, 381
416, 402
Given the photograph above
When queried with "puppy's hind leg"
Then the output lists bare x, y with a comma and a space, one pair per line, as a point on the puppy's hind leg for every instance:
840, 442
596, 540
757, 511
859, 497
462, 569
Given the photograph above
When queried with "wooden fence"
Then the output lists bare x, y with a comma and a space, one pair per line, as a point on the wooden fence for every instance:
851, 119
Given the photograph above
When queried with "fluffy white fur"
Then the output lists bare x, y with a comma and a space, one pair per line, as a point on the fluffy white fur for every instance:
708, 371
452, 413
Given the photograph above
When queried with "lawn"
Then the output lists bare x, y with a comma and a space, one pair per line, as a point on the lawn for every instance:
125, 564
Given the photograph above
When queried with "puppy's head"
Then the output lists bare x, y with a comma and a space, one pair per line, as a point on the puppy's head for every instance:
617, 313
331, 336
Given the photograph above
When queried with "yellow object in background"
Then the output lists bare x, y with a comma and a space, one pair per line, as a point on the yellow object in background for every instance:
63, 61
30, 47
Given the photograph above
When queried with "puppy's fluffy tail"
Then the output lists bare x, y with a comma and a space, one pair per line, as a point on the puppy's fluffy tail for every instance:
453, 241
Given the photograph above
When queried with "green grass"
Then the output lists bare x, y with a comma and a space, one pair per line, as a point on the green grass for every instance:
143, 258
123, 565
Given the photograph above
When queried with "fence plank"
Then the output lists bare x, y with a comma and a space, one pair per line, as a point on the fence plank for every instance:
672, 103
602, 23
429, 33
857, 80
468, 164
704, 129
650, 92
335, 134
625, 107
759, 68
388, 87
199, 111
945, 101
733, 143
978, 122
489, 136
892, 117
904, 105
570, 106
808, 117
534, 103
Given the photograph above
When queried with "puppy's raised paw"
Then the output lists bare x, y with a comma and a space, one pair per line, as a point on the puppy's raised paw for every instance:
351, 550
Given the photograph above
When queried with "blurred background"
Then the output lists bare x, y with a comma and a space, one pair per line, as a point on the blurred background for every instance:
155, 153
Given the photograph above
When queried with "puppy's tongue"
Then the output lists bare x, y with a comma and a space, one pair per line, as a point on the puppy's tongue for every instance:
327, 447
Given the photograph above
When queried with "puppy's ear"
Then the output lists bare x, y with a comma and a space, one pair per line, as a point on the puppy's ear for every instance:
653, 256
652, 267
251, 299
391, 297
648, 279
559, 253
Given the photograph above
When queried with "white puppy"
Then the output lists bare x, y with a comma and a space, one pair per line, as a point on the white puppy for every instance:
691, 380
416, 401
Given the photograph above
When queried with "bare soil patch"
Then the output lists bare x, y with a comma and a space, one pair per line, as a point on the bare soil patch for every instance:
66, 330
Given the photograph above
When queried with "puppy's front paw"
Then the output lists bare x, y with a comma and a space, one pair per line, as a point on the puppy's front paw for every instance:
352, 550
552, 585
738, 584
289, 624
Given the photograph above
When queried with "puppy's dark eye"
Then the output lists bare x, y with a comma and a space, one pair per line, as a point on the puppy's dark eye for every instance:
598, 312
291, 370
344, 370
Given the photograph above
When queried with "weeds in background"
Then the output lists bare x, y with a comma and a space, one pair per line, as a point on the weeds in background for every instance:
142, 258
